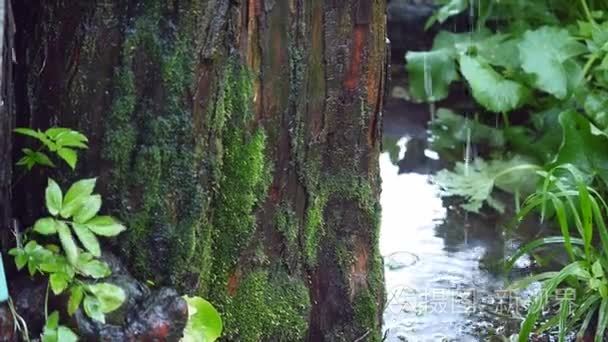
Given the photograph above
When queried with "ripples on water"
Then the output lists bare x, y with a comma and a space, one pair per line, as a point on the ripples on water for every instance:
439, 287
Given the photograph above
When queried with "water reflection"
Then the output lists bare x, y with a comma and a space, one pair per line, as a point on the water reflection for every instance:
438, 286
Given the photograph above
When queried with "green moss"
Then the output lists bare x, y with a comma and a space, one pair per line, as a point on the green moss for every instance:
314, 228
268, 306
150, 143
366, 315
243, 184
287, 224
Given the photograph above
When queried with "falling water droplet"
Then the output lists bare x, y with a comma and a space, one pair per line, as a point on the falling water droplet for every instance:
428, 87
467, 149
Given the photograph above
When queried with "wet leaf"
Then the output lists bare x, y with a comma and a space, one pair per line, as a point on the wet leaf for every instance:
204, 322
543, 53
490, 89
53, 197
430, 74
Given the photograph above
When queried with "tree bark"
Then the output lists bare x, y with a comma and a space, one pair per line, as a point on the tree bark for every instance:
238, 140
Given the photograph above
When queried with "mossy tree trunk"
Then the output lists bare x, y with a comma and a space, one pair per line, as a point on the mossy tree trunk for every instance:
238, 140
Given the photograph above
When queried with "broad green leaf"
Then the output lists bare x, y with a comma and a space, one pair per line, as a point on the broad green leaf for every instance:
59, 282
94, 269
474, 182
596, 107
65, 334
89, 208
67, 242
92, 307
46, 226
451, 131
597, 269
581, 148
204, 322
71, 139
105, 226
53, 197
54, 132
489, 88
430, 74
77, 193
69, 155
110, 296
543, 53
76, 296
87, 238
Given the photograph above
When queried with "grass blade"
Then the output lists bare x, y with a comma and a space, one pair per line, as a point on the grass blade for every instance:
602, 321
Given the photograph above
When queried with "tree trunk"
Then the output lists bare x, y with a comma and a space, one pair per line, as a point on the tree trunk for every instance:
238, 140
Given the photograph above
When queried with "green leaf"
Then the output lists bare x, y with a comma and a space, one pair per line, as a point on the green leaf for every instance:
89, 208
109, 296
430, 74
490, 89
596, 107
52, 322
64, 334
597, 269
450, 9
71, 139
581, 148
475, 182
602, 321
53, 197
69, 155
54, 132
28, 132
105, 226
59, 282
204, 322
75, 196
32, 158
46, 226
87, 238
67, 242
543, 53
451, 131
94, 269
92, 307
76, 296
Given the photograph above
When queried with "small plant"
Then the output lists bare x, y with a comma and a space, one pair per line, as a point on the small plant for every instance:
59, 140
66, 265
204, 322
53, 332
73, 265
566, 192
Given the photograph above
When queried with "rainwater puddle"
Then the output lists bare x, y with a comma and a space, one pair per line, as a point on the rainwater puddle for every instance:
438, 264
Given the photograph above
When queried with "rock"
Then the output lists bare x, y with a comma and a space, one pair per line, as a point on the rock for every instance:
29, 297
7, 327
146, 315
161, 317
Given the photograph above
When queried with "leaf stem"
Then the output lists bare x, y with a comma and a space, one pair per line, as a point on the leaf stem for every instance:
588, 13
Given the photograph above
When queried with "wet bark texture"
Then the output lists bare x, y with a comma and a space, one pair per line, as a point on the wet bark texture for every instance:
7, 115
238, 140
